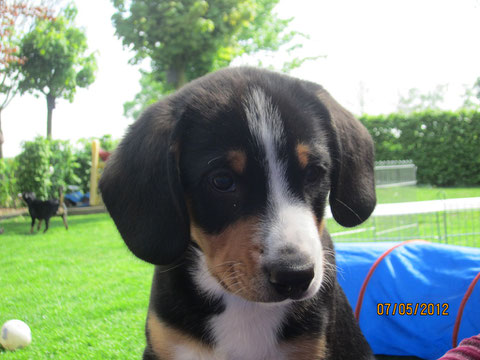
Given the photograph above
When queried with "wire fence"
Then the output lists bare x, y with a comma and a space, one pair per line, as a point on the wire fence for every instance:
400, 217
452, 226
395, 173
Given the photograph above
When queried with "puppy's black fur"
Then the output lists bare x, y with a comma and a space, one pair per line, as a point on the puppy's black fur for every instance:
157, 187
44, 210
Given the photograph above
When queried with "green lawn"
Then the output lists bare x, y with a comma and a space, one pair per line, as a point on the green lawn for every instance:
82, 293
85, 296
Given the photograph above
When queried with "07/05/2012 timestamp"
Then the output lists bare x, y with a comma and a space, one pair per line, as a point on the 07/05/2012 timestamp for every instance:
412, 309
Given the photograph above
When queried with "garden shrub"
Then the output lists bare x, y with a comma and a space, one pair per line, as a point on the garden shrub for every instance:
63, 161
444, 145
83, 158
8, 183
34, 169
45, 165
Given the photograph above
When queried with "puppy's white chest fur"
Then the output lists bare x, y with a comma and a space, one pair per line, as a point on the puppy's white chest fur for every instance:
247, 330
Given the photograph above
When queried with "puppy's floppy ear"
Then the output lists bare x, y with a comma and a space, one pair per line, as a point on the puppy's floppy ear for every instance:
142, 191
352, 194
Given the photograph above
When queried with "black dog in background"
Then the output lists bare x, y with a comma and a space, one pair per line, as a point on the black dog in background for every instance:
44, 210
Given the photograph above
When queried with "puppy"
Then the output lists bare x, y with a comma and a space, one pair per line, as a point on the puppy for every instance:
44, 210
223, 186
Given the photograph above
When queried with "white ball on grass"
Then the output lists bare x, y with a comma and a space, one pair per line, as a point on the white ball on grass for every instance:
15, 334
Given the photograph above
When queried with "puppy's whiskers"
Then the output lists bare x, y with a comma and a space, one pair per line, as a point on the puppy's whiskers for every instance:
350, 209
171, 268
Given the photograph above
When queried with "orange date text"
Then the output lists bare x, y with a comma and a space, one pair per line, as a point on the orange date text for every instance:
412, 309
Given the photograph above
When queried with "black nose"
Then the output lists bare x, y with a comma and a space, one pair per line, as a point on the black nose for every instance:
289, 280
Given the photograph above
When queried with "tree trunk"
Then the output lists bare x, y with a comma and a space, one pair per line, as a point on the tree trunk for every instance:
182, 78
1, 135
50, 107
177, 76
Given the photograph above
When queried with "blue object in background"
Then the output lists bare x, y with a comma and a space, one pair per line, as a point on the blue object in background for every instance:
78, 198
416, 273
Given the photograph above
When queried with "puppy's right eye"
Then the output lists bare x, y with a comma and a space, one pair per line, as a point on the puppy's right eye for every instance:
223, 182
313, 173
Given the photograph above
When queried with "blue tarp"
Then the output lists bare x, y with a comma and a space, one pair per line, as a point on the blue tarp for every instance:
78, 198
416, 273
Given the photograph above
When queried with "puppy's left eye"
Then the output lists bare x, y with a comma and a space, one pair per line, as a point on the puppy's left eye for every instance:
313, 173
223, 182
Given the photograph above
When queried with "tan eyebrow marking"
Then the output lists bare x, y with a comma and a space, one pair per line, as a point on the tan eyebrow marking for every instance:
303, 153
237, 160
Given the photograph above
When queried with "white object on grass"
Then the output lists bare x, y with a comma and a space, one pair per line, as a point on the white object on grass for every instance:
15, 334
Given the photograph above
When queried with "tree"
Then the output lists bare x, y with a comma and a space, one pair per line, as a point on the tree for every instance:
472, 96
14, 16
417, 101
56, 63
476, 88
185, 39
8, 89
149, 94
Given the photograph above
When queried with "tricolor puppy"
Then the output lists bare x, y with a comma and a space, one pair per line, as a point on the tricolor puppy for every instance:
223, 185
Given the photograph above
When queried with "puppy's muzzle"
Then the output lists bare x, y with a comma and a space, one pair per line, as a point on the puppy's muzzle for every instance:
290, 277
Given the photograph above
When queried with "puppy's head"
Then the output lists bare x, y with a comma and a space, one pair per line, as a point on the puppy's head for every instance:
240, 164
28, 197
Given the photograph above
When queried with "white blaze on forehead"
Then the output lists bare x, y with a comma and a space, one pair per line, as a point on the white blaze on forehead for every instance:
263, 118
289, 222
266, 127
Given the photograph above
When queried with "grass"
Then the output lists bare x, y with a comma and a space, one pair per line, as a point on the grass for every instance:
82, 293
85, 296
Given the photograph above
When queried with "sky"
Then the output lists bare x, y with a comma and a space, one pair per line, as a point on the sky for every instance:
370, 52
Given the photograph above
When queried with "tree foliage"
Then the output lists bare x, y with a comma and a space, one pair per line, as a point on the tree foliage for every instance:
8, 183
55, 60
14, 15
186, 39
83, 158
14, 18
150, 91
34, 168
416, 100
44, 165
471, 98
476, 88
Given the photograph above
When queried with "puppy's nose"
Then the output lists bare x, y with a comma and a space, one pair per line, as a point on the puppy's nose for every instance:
289, 280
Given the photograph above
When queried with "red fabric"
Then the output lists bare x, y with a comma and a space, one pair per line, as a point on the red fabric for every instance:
469, 349
458, 320
103, 154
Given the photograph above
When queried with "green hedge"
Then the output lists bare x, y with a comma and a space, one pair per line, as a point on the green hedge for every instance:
445, 146
8, 183
34, 170
83, 158
45, 165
